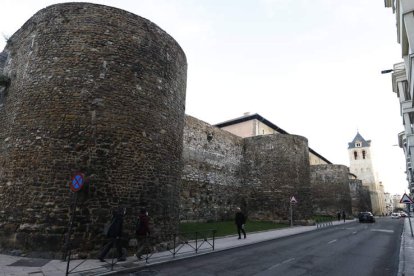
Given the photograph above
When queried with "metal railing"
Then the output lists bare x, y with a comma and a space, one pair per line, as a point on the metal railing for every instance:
324, 222
179, 243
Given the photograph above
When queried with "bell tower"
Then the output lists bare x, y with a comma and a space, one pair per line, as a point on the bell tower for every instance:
360, 159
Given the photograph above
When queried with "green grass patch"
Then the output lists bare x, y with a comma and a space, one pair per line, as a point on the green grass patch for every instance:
225, 228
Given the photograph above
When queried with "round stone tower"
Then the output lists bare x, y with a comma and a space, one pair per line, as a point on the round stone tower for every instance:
277, 168
330, 189
97, 90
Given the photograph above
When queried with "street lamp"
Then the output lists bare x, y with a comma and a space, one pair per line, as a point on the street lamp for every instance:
387, 71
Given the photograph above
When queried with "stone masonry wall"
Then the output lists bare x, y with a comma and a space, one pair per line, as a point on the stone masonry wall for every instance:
211, 178
98, 90
275, 168
330, 188
101, 91
361, 200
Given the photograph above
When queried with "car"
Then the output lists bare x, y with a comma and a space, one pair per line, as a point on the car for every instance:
395, 216
366, 217
403, 214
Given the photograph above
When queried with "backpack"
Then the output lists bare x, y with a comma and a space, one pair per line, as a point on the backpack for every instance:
107, 228
113, 229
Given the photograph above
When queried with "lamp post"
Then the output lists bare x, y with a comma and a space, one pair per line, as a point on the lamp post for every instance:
387, 71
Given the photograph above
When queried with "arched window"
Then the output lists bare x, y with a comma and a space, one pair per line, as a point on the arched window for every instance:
355, 155
363, 154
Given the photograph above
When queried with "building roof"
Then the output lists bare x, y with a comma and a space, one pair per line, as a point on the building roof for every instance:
249, 117
359, 138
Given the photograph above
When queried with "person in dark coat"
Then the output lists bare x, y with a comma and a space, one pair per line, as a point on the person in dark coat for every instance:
114, 233
343, 215
142, 231
339, 216
240, 220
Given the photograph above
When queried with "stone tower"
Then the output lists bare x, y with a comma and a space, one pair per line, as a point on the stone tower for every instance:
98, 90
360, 159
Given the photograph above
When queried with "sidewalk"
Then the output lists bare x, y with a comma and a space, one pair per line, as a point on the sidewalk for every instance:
19, 266
406, 266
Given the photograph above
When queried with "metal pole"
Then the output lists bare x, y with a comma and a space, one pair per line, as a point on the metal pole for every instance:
291, 215
409, 220
68, 252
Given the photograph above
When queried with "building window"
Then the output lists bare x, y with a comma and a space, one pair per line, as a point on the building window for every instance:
363, 154
355, 155
358, 144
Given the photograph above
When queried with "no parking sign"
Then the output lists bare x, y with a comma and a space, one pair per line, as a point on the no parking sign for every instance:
77, 182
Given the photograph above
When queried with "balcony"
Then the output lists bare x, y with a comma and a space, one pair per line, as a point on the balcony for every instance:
406, 107
410, 143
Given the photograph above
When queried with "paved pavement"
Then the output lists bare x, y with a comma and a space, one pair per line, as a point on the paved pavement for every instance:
20, 266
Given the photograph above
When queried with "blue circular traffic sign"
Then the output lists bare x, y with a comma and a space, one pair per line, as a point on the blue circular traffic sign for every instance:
77, 182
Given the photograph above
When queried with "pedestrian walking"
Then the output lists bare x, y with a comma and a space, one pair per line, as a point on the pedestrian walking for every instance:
240, 221
114, 233
339, 216
343, 215
142, 232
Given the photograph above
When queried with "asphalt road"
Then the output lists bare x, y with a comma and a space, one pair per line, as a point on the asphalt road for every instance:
357, 249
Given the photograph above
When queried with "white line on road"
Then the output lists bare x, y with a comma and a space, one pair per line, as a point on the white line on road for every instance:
382, 230
354, 232
332, 241
288, 261
279, 264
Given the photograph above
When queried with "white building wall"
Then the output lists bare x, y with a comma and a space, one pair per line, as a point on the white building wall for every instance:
362, 167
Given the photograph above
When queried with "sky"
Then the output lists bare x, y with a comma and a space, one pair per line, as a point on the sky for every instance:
311, 67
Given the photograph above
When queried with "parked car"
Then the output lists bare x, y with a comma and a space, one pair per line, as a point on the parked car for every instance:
395, 216
403, 214
366, 217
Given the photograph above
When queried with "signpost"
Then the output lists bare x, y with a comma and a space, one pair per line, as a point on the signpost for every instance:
75, 185
77, 182
293, 201
408, 201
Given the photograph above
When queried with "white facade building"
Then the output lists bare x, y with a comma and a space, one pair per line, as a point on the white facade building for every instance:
402, 78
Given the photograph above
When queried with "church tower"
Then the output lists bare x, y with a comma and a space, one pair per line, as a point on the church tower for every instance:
360, 159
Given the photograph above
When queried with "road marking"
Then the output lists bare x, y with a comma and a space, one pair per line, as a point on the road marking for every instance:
382, 230
288, 261
332, 241
279, 264
354, 232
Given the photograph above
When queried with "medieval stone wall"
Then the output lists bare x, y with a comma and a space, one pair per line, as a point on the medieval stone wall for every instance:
275, 168
98, 90
259, 174
101, 91
211, 179
361, 199
330, 189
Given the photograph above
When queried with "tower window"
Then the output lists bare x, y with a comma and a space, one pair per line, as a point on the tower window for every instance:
363, 154
355, 155
358, 144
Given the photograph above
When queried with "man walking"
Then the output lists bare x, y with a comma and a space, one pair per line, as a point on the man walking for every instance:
114, 233
142, 232
240, 220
